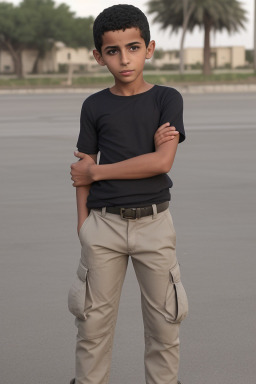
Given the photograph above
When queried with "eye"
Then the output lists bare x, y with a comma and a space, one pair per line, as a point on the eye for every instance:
111, 52
134, 48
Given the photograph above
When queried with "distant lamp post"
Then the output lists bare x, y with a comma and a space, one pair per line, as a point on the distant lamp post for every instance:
70, 69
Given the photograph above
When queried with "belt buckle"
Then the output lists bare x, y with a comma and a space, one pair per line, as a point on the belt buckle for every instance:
123, 213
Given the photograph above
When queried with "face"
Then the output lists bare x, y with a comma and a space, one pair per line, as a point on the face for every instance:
124, 53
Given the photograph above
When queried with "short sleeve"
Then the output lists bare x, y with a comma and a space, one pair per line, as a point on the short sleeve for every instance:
87, 140
172, 112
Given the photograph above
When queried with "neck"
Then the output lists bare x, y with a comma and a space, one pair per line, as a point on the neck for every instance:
131, 89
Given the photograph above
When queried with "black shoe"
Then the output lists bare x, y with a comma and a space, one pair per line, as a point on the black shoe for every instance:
178, 382
73, 381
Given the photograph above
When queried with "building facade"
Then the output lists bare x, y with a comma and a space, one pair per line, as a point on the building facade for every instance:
60, 57
221, 57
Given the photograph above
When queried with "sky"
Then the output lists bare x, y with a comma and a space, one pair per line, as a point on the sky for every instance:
164, 39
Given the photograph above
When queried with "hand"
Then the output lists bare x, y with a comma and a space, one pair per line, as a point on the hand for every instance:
163, 134
81, 171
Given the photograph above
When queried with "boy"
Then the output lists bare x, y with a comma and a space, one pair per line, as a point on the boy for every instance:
122, 204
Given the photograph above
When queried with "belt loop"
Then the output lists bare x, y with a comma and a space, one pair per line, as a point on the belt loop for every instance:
103, 211
154, 211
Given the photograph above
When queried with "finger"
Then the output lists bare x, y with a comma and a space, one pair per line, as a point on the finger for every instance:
167, 136
163, 126
169, 133
167, 130
80, 155
165, 140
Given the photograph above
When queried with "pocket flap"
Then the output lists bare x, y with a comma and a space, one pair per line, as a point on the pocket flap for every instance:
82, 272
175, 274
77, 293
176, 299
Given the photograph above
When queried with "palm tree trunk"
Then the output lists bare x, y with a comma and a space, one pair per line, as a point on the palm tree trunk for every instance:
186, 17
182, 52
207, 46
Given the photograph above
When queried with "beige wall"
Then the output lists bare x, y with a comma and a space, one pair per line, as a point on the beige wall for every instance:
78, 57
48, 64
193, 56
238, 57
6, 63
169, 57
220, 56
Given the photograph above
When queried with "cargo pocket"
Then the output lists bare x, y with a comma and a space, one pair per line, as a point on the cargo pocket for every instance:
77, 293
176, 304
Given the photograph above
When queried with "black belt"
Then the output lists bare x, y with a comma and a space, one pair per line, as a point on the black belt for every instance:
136, 213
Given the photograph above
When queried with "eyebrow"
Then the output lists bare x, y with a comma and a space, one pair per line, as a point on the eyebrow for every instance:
116, 46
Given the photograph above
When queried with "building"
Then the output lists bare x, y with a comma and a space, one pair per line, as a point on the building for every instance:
60, 56
221, 57
55, 60
48, 64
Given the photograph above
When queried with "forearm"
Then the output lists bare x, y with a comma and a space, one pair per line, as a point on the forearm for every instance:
139, 167
81, 200
85, 172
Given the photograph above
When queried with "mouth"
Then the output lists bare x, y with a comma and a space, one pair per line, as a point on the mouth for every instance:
126, 72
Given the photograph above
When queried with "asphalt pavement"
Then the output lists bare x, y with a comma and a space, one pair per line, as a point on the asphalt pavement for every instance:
214, 211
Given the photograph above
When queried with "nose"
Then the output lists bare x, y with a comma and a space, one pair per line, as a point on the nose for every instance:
124, 58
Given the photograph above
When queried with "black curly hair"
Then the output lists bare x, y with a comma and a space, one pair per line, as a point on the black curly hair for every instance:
117, 17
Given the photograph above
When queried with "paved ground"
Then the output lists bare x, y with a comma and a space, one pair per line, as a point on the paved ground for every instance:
214, 214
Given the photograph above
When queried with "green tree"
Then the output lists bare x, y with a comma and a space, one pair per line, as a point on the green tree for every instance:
14, 34
82, 35
47, 24
211, 15
38, 24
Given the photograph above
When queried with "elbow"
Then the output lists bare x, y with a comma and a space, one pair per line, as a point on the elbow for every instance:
165, 165
166, 168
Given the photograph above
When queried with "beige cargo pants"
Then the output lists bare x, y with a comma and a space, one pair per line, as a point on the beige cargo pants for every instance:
107, 241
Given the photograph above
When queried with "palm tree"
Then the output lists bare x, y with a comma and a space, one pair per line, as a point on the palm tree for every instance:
212, 15
173, 14
217, 15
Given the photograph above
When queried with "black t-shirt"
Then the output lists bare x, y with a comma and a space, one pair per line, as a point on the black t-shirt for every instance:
122, 127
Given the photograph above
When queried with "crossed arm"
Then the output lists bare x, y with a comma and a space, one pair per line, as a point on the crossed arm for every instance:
86, 171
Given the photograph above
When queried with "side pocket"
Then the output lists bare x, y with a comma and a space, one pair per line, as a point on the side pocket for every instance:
77, 293
84, 225
176, 303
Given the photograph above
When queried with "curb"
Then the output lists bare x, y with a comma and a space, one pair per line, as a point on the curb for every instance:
184, 89
218, 88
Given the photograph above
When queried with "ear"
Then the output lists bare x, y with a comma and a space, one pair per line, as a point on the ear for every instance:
98, 57
150, 49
